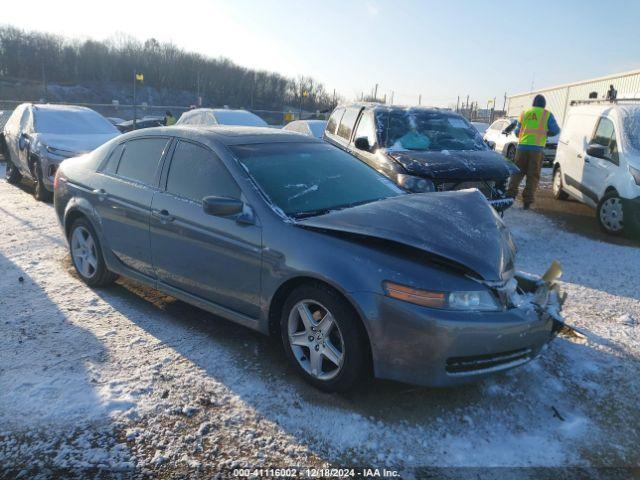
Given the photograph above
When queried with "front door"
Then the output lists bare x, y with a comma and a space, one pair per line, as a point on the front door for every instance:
214, 258
598, 170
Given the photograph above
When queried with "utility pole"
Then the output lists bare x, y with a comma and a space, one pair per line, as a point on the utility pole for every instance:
334, 98
134, 98
458, 104
467, 109
504, 103
375, 93
391, 101
420, 99
44, 84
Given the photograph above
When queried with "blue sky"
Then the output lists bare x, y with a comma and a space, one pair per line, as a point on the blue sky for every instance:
439, 49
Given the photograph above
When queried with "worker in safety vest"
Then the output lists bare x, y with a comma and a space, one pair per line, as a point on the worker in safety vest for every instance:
532, 129
169, 119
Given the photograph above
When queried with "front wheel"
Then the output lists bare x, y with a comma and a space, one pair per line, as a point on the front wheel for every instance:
558, 192
511, 153
87, 256
11, 173
40, 192
323, 339
610, 214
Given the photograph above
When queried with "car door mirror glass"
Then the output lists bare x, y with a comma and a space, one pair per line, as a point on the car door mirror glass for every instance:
596, 150
362, 143
222, 206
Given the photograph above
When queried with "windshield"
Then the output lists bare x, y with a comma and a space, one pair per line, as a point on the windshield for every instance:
72, 122
305, 179
631, 122
426, 131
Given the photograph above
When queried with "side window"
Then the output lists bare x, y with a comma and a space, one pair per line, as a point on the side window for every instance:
334, 120
140, 159
25, 120
497, 125
112, 164
347, 122
367, 128
605, 135
196, 172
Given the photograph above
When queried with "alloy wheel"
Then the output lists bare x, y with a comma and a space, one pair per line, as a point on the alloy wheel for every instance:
315, 340
611, 215
83, 252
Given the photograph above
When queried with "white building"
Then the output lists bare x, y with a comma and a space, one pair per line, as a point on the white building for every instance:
559, 98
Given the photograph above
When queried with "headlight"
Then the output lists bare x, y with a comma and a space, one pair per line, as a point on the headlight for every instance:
56, 152
635, 173
481, 300
415, 184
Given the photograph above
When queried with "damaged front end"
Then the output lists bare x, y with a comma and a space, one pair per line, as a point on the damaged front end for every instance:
542, 294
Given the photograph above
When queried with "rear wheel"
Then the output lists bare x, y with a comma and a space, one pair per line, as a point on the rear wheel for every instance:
610, 214
323, 339
558, 192
511, 152
40, 192
86, 254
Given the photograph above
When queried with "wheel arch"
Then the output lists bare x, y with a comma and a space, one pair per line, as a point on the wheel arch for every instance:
284, 290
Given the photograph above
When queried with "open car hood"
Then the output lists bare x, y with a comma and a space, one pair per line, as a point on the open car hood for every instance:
459, 227
454, 164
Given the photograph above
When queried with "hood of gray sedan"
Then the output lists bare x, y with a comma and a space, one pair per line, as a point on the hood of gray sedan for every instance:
457, 226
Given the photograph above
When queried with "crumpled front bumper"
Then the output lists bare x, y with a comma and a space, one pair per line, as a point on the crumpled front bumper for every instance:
432, 347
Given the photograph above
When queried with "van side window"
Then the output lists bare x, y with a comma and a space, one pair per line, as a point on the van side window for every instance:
347, 123
605, 135
334, 120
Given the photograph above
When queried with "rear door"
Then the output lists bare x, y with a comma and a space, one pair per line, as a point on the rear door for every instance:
123, 200
574, 139
597, 171
214, 258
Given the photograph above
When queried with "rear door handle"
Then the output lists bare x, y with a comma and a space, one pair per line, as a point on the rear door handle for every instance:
162, 215
101, 193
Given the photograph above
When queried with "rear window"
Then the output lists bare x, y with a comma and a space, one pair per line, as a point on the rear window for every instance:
196, 172
140, 158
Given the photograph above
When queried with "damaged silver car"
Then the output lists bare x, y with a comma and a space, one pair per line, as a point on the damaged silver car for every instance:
293, 237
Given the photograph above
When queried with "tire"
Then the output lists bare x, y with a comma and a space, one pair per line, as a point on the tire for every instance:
511, 153
11, 173
86, 254
341, 345
558, 192
610, 215
40, 192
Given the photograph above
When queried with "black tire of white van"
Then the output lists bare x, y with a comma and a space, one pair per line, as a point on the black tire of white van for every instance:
40, 192
610, 199
511, 153
556, 186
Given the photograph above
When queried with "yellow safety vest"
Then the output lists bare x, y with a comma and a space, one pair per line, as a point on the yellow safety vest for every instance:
171, 120
533, 127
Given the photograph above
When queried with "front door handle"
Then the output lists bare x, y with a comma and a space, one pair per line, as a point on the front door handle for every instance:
162, 215
101, 193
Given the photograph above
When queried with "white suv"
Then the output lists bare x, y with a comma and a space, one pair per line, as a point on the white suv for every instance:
598, 163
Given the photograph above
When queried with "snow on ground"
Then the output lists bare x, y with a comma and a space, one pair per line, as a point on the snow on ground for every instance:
127, 379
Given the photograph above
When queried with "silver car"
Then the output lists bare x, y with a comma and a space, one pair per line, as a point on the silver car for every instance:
293, 237
38, 137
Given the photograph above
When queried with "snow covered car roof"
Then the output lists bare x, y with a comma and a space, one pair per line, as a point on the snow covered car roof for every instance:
220, 116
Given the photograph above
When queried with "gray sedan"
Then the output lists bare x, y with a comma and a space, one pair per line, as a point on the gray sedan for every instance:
293, 237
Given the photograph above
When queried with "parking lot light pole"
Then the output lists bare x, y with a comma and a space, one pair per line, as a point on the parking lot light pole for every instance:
135, 75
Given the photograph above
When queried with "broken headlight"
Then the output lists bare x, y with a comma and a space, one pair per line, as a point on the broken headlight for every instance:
481, 300
415, 184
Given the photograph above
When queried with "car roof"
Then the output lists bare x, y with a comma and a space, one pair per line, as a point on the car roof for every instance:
60, 108
390, 108
227, 135
599, 108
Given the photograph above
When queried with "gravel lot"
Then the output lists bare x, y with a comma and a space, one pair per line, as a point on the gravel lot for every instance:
124, 379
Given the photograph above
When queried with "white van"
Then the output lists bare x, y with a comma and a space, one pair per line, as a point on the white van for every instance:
598, 163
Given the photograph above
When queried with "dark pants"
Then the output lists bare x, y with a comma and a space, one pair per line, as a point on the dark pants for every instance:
530, 163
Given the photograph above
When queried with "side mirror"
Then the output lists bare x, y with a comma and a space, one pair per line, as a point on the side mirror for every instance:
596, 150
362, 143
23, 141
222, 206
